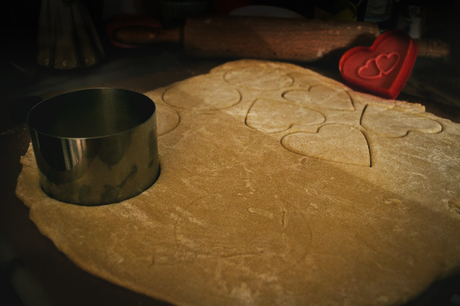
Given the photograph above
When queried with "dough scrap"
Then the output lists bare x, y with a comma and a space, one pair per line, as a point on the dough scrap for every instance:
241, 216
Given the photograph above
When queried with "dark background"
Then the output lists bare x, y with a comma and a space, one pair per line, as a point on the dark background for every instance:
44, 276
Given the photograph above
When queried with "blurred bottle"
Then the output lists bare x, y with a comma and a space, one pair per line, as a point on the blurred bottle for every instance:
378, 10
381, 12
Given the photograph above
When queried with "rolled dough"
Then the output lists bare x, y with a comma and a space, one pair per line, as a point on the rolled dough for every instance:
278, 187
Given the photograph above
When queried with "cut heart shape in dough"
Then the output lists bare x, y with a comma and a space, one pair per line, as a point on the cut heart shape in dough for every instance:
334, 142
396, 123
272, 116
320, 96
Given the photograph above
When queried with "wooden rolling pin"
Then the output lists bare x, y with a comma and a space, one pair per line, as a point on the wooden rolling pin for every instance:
268, 38
258, 37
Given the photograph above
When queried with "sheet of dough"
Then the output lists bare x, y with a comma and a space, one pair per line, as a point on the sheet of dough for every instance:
278, 187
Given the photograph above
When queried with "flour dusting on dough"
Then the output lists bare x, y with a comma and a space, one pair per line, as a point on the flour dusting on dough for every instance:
279, 186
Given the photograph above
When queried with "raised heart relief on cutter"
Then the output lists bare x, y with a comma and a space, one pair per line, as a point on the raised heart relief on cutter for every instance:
378, 66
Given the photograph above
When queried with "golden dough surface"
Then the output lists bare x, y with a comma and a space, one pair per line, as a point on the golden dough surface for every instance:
278, 187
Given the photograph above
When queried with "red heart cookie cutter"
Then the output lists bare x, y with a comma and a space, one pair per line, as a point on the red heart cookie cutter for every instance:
383, 68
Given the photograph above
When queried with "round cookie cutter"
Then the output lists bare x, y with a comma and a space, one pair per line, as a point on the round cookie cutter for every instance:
95, 146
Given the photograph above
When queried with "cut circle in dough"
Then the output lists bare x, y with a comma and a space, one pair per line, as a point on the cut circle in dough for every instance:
167, 119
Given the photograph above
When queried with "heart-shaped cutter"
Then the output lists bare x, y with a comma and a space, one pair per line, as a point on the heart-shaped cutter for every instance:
383, 68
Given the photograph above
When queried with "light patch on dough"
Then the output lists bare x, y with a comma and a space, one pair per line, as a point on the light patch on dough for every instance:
271, 116
338, 143
396, 123
322, 97
273, 233
260, 77
203, 92
454, 205
243, 294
